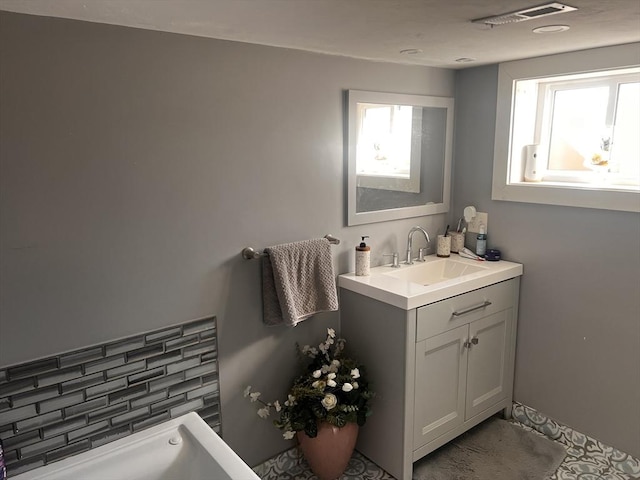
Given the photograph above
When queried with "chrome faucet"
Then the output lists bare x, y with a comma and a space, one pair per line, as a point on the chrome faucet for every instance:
409, 260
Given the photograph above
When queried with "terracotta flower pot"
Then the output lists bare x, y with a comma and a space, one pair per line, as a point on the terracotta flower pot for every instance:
328, 454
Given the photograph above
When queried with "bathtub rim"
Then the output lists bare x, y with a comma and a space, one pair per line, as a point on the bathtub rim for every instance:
197, 428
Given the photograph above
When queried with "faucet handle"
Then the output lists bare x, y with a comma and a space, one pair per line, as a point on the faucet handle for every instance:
394, 260
421, 253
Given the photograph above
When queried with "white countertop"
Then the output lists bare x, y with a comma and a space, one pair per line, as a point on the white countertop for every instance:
408, 295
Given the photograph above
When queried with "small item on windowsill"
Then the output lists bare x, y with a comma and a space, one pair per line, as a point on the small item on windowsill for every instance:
492, 255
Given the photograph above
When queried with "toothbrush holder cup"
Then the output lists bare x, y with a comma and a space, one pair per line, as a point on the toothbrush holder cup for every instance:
457, 241
444, 246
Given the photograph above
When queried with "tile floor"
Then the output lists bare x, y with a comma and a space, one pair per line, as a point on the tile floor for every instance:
587, 458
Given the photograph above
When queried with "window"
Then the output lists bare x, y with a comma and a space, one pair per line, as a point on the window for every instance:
570, 138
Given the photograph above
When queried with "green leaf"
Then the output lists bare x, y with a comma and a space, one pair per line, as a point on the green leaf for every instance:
318, 410
311, 429
340, 420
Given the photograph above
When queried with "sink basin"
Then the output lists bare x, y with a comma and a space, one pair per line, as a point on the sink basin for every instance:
412, 286
440, 270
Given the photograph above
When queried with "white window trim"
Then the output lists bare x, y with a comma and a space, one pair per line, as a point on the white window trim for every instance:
569, 195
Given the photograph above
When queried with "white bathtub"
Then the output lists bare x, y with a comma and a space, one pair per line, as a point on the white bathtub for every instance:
184, 448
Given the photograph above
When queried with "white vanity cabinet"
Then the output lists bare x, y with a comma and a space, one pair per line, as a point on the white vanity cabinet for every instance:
437, 370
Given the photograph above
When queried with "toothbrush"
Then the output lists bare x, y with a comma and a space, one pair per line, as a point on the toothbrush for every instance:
466, 253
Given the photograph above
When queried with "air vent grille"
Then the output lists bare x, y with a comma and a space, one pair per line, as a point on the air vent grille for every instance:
526, 14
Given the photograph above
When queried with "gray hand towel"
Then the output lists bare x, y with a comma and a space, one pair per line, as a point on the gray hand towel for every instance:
297, 282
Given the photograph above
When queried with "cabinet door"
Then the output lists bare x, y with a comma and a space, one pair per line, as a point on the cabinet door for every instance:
441, 365
488, 353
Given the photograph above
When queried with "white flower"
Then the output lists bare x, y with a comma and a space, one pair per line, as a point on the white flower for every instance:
247, 391
310, 351
317, 373
354, 384
347, 387
331, 383
331, 332
335, 363
323, 347
290, 401
277, 406
325, 368
355, 373
329, 401
331, 376
254, 396
263, 412
288, 435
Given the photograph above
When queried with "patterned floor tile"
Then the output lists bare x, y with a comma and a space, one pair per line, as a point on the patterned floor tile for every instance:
290, 465
587, 458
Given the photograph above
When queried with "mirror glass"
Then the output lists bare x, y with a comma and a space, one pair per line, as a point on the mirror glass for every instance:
399, 156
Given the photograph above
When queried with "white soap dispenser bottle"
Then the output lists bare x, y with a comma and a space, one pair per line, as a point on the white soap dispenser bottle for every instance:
363, 259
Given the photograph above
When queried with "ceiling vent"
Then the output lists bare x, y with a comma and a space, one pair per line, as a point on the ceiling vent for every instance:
526, 14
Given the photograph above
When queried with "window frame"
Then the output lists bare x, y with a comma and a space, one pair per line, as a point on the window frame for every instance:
556, 193
612, 80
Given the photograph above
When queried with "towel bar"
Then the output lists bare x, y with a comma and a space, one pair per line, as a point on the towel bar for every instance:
249, 253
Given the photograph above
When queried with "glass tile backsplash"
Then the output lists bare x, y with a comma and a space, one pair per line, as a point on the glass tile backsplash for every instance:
67, 404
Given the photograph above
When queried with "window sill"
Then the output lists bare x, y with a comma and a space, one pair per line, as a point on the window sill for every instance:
609, 197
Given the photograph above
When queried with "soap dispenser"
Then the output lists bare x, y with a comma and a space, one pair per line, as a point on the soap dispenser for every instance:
363, 259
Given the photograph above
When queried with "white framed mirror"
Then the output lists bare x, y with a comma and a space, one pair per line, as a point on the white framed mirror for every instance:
399, 156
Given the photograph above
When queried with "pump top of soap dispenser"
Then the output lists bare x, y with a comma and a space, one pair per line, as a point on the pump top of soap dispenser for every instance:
363, 246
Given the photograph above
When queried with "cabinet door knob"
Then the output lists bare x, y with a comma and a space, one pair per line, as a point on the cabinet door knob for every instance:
470, 343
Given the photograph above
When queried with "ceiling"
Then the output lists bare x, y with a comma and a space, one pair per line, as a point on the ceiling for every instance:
441, 31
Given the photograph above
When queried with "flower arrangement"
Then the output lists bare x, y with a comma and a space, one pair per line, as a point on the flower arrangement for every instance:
331, 389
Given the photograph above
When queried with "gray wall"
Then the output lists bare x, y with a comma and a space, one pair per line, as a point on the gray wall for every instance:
578, 350
136, 165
